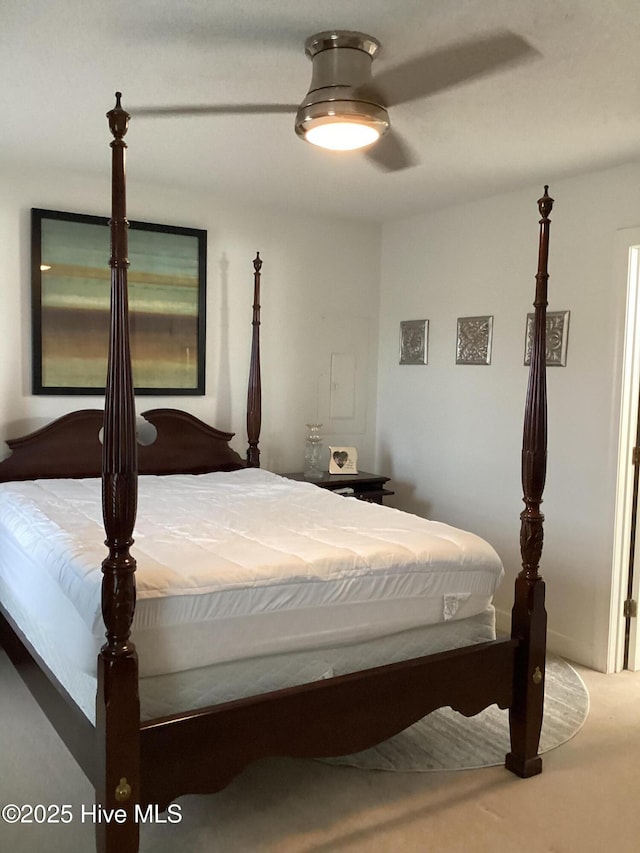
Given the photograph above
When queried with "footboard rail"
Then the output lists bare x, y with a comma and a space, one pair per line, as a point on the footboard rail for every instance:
201, 751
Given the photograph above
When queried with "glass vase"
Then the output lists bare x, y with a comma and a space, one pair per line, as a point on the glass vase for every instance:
313, 453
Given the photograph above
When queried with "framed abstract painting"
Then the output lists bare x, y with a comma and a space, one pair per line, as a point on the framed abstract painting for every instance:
70, 292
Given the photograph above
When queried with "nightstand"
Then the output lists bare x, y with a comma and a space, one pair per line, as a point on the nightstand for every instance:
365, 487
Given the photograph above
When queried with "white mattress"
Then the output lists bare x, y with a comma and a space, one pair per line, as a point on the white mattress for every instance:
234, 565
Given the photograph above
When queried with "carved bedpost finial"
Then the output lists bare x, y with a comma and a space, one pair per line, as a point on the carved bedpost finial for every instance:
118, 118
257, 263
545, 204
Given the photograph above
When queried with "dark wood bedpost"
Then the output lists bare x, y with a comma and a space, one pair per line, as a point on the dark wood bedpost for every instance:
254, 394
117, 703
529, 618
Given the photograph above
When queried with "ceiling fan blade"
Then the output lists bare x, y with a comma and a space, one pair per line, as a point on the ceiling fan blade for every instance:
432, 72
213, 109
391, 153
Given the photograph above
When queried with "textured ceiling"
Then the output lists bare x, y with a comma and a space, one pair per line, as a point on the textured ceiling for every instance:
572, 106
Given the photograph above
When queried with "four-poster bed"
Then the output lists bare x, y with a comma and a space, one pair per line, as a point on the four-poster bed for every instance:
136, 760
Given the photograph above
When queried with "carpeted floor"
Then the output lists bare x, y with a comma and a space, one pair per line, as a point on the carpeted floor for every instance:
445, 740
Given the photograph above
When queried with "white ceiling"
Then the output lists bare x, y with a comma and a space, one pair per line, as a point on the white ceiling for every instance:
573, 106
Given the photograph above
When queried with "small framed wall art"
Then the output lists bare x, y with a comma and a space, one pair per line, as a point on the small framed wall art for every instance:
557, 338
414, 341
474, 341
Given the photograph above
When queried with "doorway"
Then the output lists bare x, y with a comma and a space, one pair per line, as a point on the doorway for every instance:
624, 643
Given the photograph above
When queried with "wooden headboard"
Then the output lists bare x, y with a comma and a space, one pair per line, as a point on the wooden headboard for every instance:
70, 447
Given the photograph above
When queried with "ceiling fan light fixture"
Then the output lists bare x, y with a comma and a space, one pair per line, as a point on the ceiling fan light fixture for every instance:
342, 125
341, 111
342, 135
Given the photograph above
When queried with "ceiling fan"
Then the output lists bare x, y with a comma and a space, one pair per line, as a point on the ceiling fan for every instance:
346, 106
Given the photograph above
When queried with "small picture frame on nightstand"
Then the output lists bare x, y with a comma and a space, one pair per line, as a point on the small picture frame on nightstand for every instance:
343, 460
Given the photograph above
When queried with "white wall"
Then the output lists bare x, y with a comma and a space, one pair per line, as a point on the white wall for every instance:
319, 295
450, 436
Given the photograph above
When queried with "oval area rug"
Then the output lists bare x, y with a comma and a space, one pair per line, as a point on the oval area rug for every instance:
447, 740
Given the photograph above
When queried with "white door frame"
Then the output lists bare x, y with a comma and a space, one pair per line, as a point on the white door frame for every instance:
627, 265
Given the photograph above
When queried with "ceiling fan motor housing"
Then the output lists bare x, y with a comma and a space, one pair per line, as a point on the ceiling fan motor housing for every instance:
341, 81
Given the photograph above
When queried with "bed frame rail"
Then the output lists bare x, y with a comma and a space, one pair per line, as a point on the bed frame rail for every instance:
337, 716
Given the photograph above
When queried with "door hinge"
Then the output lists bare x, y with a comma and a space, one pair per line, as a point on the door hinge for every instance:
635, 456
630, 610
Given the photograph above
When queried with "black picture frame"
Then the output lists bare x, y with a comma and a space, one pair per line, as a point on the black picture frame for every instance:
70, 293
